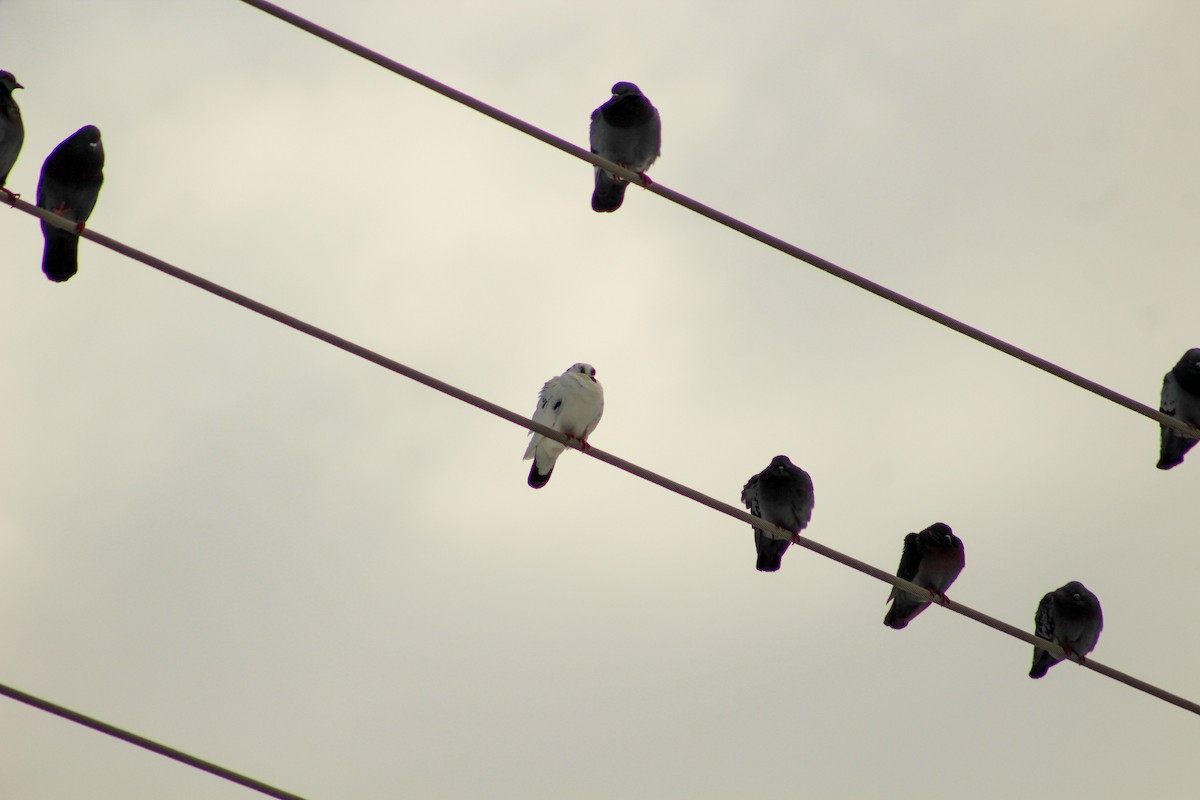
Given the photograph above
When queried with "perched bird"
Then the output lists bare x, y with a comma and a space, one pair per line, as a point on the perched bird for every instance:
783, 494
570, 403
1070, 617
932, 560
1181, 400
626, 130
12, 129
69, 186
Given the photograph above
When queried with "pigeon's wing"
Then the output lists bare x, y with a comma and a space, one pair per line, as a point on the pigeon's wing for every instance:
594, 130
550, 401
1170, 395
1173, 444
750, 495
1044, 627
910, 561
1044, 618
549, 406
751, 500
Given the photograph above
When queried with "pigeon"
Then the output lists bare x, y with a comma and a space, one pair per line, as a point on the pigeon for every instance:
1070, 617
570, 403
70, 183
12, 129
1181, 400
783, 494
626, 130
932, 560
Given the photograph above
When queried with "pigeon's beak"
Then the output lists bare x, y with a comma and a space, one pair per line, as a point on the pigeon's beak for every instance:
17, 85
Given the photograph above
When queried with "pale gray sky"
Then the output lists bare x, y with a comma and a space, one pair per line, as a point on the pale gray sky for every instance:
244, 543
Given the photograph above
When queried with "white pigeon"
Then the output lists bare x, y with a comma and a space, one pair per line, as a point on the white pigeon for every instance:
571, 403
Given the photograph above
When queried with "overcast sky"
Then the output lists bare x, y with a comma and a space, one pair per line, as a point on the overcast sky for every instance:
229, 537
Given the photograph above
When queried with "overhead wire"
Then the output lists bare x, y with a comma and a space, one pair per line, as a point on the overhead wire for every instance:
148, 744
594, 452
722, 218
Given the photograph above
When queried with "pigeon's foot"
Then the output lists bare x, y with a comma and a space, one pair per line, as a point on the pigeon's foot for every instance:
79, 228
939, 597
12, 196
645, 179
61, 209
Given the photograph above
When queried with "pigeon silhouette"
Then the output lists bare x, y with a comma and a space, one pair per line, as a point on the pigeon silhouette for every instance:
69, 186
1070, 617
932, 560
782, 494
571, 403
12, 129
1181, 400
627, 130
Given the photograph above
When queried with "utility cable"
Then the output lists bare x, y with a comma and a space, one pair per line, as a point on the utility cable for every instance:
594, 452
149, 744
724, 219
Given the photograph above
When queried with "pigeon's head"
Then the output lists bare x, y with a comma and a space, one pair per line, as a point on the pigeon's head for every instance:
85, 143
584, 369
780, 464
1076, 596
89, 135
622, 88
941, 535
1190, 363
9, 81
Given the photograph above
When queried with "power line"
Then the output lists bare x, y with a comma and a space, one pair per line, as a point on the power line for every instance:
149, 744
595, 452
775, 242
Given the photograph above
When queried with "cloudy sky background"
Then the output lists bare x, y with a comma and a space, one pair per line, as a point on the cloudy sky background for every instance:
226, 536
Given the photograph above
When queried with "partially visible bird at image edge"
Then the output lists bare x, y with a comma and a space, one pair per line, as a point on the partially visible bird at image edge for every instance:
1181, 400
12, 129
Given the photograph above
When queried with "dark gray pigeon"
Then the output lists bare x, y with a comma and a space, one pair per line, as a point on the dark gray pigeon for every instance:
783, 494
12, 129
69, 186
932, 560
1070, 617
626, 130
1181, 400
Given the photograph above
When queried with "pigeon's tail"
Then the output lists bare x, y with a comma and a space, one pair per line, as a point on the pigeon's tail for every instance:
1174, 446
536, 479
610, 192
1042, 662
770, 552
905, 606
60, 259
545, 453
